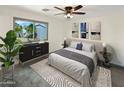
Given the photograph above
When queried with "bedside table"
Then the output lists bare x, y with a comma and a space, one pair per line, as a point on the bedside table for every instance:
107, 58
64, 46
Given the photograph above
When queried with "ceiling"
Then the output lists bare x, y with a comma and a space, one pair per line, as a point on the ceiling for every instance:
91, 10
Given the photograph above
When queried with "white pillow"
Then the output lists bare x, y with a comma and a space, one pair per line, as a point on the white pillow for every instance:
88, 47
73, 44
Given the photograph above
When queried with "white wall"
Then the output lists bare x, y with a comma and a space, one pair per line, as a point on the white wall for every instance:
55, 31
112, 32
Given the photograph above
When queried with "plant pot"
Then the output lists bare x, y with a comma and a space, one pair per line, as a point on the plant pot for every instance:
7, 73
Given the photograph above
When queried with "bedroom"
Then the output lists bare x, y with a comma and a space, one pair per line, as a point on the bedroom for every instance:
106, 22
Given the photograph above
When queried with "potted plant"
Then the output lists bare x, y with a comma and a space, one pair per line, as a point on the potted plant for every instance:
9, 49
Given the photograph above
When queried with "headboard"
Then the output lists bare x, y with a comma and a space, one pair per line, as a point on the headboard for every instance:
97, 44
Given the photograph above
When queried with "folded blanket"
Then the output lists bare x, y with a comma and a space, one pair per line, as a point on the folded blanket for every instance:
77, 57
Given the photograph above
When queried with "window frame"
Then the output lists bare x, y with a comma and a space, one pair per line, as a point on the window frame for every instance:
34, 21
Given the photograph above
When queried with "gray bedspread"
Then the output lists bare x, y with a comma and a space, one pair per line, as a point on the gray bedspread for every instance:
77, 57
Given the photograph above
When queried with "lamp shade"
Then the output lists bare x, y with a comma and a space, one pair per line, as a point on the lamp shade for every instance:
65, 38
68, 15
104, 44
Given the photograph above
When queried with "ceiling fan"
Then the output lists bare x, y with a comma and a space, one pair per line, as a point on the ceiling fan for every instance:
68, 11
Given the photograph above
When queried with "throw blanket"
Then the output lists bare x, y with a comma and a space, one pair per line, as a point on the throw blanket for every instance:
77, 57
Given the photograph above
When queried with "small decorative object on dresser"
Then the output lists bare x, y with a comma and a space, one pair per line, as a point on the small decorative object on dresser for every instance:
106, 55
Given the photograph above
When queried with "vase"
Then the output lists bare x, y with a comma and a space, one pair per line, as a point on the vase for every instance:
7, 73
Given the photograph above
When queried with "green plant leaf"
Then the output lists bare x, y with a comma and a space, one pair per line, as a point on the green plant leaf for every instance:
18, 41
3, 53
10, 39
1, 45
2, 59
15, 51
2, 38
10, 47
7, 64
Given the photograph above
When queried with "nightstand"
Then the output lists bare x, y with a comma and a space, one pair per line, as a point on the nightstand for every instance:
107, 58
64, 45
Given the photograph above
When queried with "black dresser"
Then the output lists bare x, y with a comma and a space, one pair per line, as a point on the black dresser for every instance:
31, 51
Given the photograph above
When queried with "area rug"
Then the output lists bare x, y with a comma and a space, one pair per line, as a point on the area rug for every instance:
58, 79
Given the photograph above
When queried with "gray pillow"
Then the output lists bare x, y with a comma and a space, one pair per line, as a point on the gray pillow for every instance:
88, 47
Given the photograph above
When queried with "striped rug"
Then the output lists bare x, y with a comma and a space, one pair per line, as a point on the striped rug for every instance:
58, 79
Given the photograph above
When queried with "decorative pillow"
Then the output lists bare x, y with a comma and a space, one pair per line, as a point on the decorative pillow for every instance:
74, 44
79, 46
88, 47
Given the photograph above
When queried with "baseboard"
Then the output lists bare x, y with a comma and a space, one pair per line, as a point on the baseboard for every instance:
117, 65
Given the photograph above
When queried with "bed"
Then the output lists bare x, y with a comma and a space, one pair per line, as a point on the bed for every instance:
78, 64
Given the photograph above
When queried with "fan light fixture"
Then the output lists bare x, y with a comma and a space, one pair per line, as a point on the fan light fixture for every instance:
69, 11
68, 16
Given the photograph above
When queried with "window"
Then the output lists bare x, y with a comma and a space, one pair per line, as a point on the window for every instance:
31, 29
41, 31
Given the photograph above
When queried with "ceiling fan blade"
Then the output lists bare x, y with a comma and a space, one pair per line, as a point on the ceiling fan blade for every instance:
59, 8
77, 7
59, 13
80, 13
